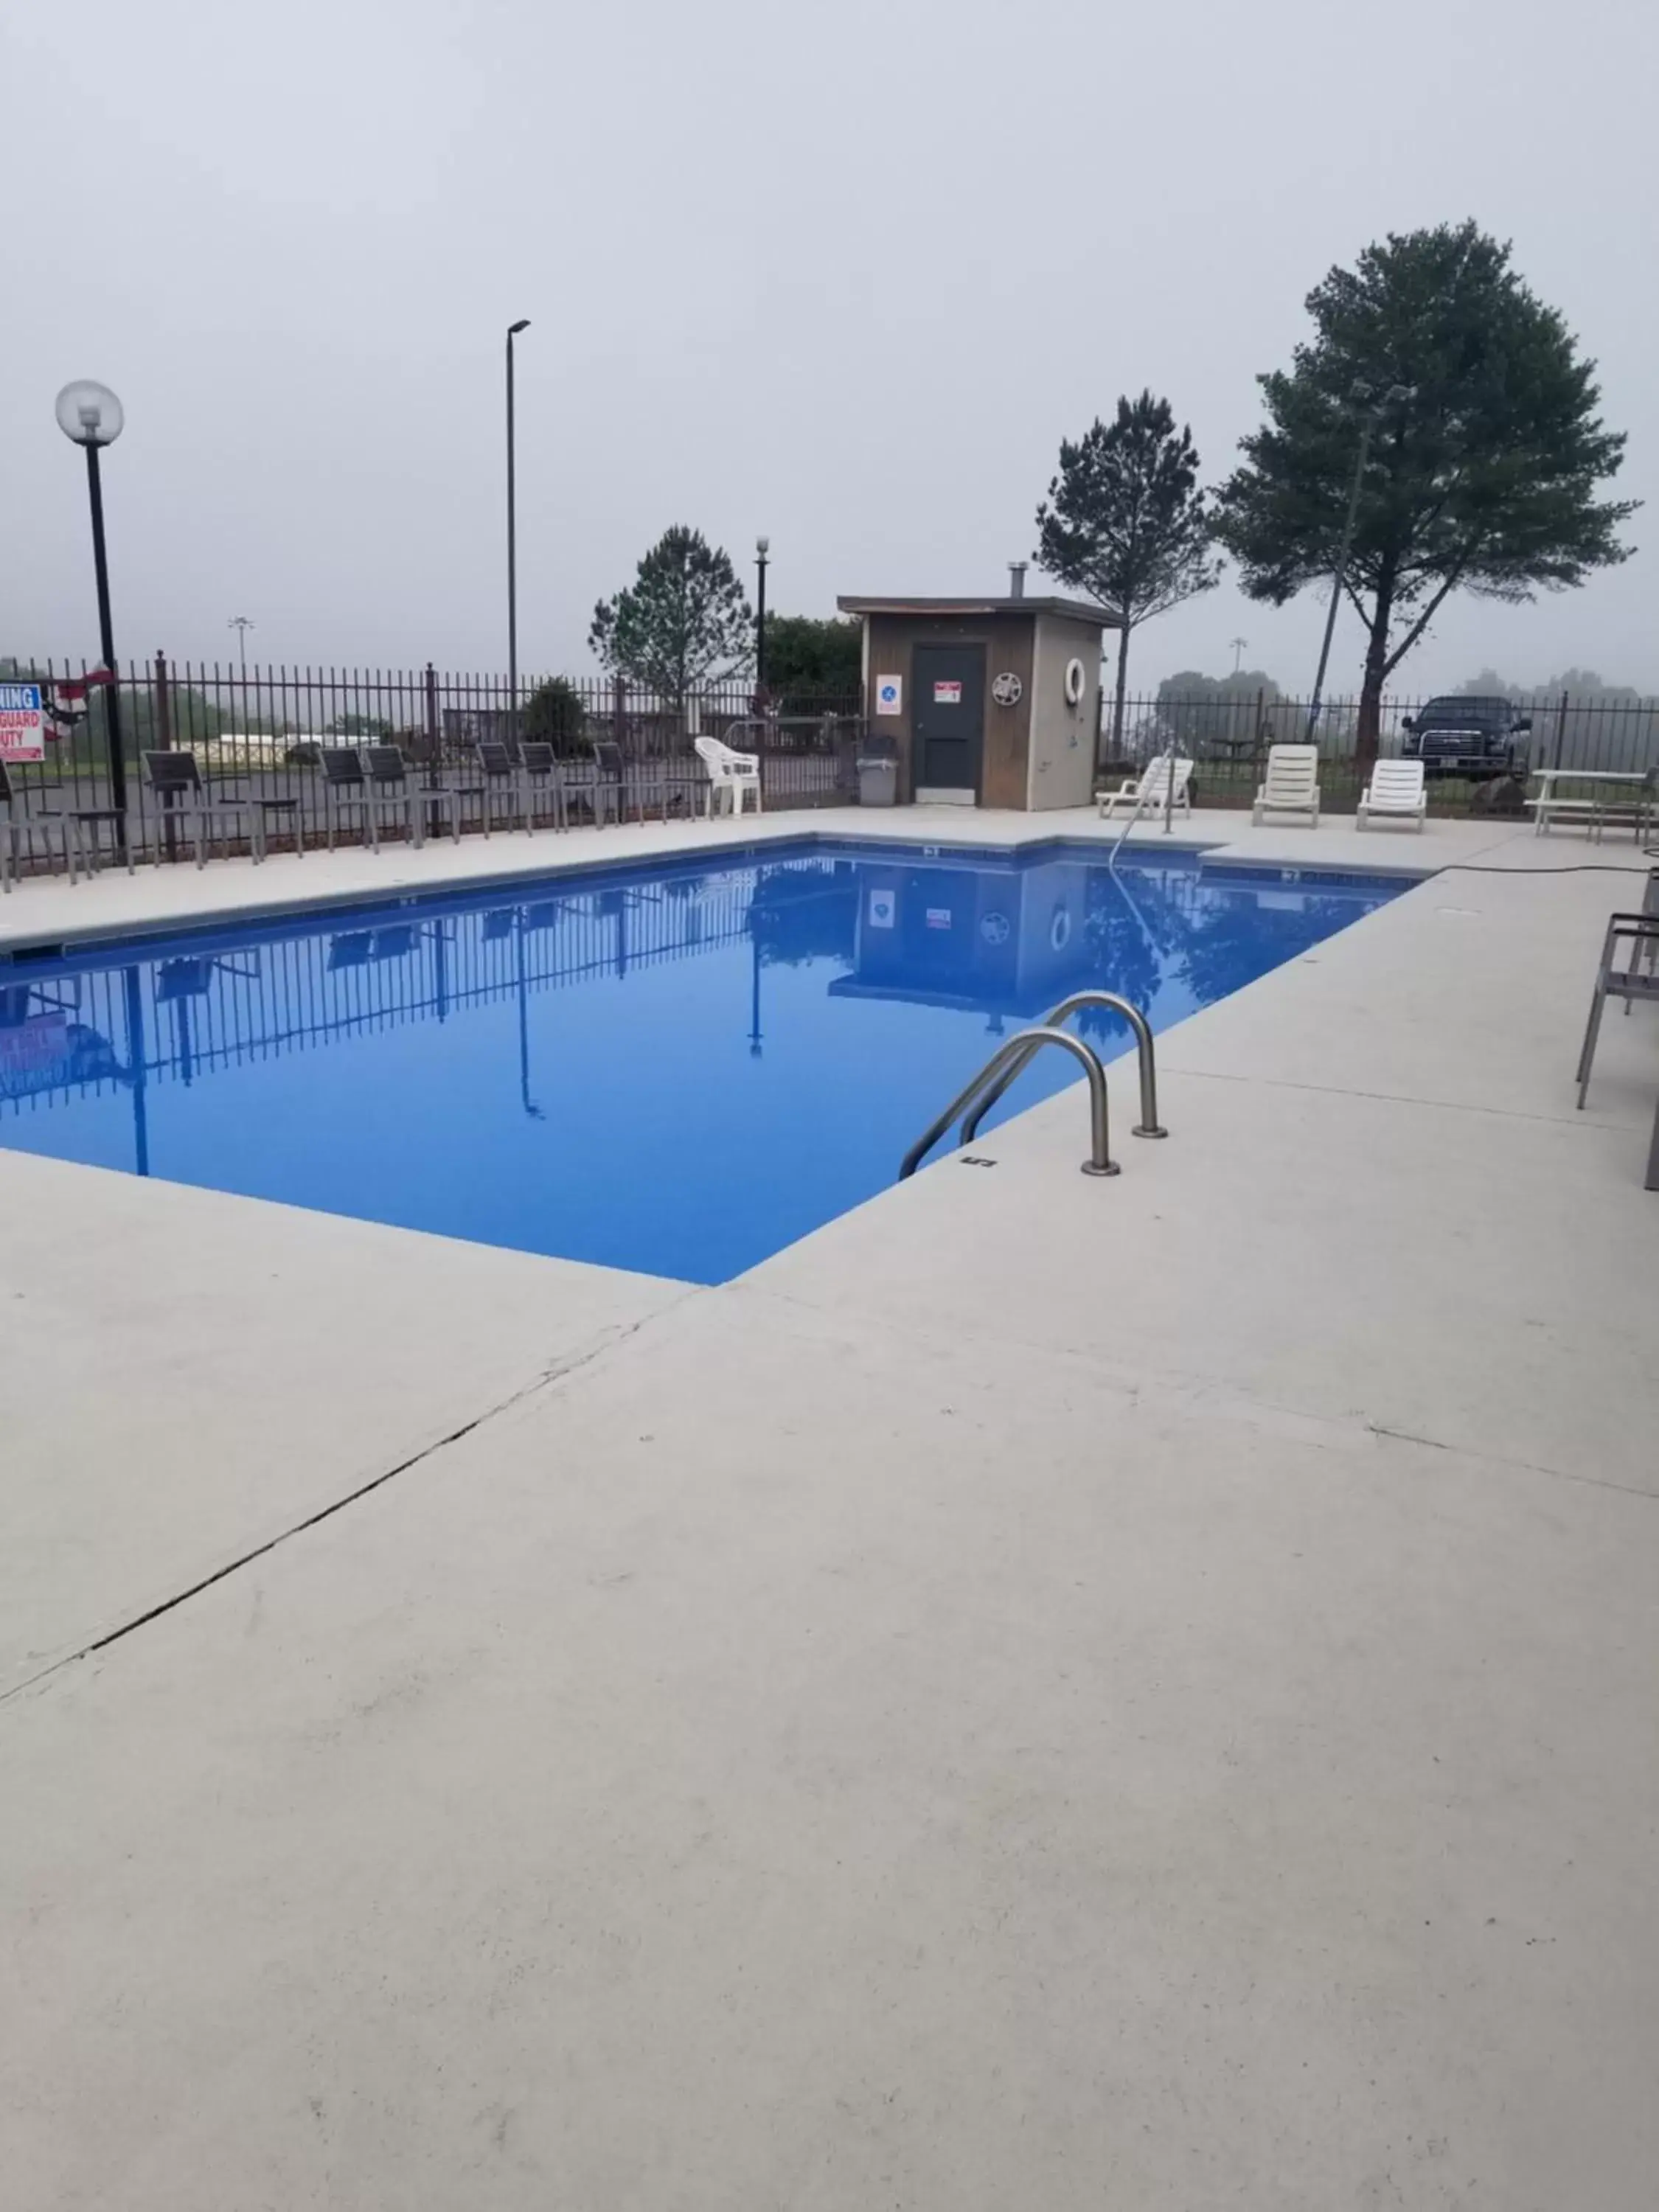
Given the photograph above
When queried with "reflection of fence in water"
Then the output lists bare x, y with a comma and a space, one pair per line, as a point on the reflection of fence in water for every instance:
197, 1012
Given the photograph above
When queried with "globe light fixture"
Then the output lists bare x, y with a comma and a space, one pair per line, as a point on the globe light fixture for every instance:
89, 414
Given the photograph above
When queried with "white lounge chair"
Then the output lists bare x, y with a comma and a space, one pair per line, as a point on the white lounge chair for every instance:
1290, 785
1394, 793
730, 772
1150, 790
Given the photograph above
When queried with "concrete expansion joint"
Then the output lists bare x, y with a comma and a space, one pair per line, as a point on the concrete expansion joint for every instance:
558, 1372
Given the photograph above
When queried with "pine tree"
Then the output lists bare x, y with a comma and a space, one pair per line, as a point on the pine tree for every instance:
1125, 521
683, 621
1481, 466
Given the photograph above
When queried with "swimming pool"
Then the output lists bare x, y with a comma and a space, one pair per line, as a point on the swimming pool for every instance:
677, 1069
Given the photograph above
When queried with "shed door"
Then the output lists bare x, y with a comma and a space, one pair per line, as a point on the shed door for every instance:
949, 717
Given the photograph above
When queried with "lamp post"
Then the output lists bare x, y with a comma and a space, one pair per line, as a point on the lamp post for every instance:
90, 414
1339, 574
762, 549
513, 330
242, 625
1238, 644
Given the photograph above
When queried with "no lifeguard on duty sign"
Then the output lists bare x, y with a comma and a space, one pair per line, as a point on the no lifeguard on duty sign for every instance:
22, 723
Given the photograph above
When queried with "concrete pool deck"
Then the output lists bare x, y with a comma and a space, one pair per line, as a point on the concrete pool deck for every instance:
1135, 1694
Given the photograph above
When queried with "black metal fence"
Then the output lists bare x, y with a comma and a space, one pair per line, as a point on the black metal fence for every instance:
1228, 738
259, 733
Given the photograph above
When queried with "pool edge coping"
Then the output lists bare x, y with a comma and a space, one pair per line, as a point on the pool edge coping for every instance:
96, 935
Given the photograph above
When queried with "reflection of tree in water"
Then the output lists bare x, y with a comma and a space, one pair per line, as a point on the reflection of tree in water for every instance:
1134, 931
1233, 936
804, 914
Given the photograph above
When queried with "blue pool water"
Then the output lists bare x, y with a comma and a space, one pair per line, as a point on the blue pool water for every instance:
677, 1069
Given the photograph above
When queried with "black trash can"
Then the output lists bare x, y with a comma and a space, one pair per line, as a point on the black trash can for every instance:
879, 772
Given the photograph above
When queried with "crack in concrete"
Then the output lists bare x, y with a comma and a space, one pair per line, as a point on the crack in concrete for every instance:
1190, 1393
1586, 1120
556, 1373
1507, 1459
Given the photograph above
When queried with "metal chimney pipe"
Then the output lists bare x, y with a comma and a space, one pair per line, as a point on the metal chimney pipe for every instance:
1017, 579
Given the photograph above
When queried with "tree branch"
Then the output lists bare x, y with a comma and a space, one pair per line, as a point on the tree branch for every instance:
1453, 576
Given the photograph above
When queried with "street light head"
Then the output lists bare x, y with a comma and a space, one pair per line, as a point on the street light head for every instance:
89, 413
513, 328
763, 546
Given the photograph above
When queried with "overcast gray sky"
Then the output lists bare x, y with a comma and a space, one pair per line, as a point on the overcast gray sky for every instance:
842, 273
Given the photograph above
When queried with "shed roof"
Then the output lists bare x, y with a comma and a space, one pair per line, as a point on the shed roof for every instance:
1071, 609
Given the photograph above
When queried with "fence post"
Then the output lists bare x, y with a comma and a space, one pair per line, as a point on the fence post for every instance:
619, 708
1561, 731
434, 751
431, 690
162, 732
163, 722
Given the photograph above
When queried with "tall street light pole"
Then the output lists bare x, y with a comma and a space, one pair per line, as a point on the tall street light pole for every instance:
512, 330
242, 625
762, 549
90, 414
1238, 644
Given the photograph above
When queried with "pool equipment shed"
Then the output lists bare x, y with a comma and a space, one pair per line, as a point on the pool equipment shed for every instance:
991, 701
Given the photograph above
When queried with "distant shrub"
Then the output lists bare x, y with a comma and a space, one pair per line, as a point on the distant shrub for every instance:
555, 714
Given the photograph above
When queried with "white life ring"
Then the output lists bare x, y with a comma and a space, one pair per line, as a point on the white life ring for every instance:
1060, 930
1077, 682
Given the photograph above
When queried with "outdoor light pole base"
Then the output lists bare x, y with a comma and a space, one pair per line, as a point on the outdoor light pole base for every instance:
1110, 1168
117, 757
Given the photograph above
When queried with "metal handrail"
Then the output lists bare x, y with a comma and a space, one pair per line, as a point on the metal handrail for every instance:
1167, 761
1149, 1125
1020, 1048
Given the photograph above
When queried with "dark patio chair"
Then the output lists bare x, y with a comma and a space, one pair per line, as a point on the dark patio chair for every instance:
614, 782
1628, 975
188, 804
498, 780
390, 794
18, 825
375, 783
76, 829
345, 790
543, 778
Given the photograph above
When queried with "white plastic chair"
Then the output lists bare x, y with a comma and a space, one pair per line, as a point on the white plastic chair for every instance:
1150, 792
1290, 785
1394, 793
729, 772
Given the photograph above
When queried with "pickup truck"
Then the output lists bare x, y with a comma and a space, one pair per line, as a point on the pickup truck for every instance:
1470, 737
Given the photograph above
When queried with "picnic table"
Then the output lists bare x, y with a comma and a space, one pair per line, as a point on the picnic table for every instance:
1616, 794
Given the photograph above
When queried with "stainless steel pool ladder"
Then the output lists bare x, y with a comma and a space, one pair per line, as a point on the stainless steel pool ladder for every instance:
1142, 793
975, 1101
